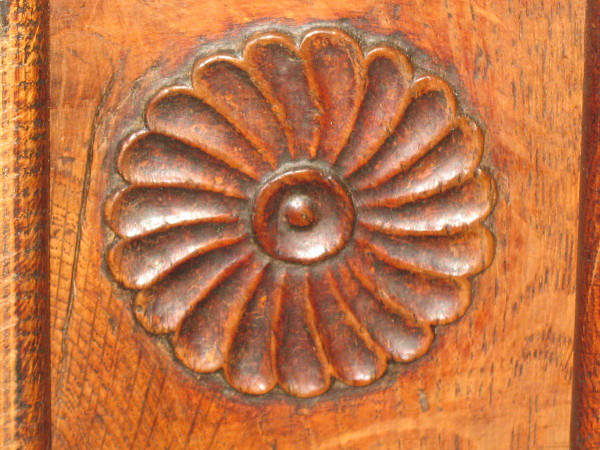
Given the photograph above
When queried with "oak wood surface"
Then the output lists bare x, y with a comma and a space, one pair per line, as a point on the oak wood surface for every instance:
255, 251
498, 378
24, 279
585, 427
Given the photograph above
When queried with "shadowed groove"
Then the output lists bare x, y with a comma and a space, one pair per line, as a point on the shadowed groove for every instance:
283, 77
432, 300
449, 164
458, 255
403, 339
223, 83
205, 335
389, 74
153, 159
428, 118
250, 364
138, 210
447, 213
179, 113
354, 357
301, 365
162, 307
336, 62
140, 261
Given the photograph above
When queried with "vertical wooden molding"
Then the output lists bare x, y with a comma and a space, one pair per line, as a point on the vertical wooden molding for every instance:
24, 306
585, 427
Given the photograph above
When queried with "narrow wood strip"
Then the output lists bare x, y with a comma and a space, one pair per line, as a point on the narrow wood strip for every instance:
24, 298
585, 424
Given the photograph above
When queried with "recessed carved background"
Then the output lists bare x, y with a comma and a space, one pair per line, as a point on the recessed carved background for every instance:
306, 211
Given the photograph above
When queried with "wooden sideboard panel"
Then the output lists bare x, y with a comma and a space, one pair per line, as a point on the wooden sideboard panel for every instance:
500, 377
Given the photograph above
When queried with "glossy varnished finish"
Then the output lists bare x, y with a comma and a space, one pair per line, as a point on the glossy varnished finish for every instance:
500, 377
24, 181
401, 186
585, 427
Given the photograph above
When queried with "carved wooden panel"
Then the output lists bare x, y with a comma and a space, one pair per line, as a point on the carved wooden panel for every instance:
497, 377
307, 210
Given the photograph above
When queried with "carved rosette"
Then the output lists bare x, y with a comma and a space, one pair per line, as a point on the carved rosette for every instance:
304, 212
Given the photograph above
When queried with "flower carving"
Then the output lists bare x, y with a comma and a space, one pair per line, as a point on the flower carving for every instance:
304, 212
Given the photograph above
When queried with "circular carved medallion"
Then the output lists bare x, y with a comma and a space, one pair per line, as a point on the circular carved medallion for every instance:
304, 212
303, 216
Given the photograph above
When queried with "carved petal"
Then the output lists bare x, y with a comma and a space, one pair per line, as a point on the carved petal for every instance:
429, 118
137, 210
459, 255
178, 113
387, 96
249, 366
336, 62
139, 262
281, 73
203, 340
153, 159
446, 213
402, 338
229, 89
432, 300
449, 164
162, 307
354, 357
301, 364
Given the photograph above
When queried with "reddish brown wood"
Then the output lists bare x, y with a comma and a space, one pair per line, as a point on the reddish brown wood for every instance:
401, 187
585, 426
500, 377
24, 296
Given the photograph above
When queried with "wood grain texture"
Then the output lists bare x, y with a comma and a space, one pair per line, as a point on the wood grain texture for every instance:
266, 199
585, 426
500, 377
24, 298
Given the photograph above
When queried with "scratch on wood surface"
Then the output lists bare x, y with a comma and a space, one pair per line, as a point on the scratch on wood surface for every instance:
80, 224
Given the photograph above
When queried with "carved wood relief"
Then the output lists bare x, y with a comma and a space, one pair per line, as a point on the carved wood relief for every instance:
307, 211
